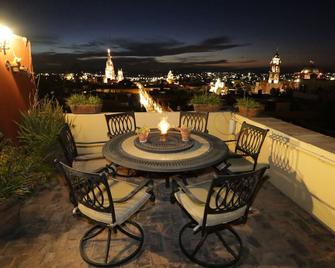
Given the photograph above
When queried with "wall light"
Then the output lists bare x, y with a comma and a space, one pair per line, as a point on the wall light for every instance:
6, 36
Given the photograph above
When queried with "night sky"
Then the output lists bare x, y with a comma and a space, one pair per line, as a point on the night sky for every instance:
155, 36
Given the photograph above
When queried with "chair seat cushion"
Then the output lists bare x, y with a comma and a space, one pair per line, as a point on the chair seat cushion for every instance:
196, 210
242, 165
91, 165
124, 210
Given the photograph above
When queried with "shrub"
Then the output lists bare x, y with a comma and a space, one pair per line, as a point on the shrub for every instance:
248, 103
18, 171
80, 99
206, 99
39, 128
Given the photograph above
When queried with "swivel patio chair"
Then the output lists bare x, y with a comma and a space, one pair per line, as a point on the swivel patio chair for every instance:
108, 204
93, 162
213, 207
248, 146
120, 123
196, 121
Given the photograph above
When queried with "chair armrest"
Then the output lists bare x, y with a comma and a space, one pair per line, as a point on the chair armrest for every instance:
229, 140
88, 157
177, 181
135, 191
222, 167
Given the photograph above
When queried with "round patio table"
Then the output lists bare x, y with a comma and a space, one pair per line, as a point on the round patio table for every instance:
202, 151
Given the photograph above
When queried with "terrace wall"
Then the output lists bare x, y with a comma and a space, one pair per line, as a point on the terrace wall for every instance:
302, 162
16, 88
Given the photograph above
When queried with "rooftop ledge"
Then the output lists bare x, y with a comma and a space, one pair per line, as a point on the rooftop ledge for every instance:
302, 162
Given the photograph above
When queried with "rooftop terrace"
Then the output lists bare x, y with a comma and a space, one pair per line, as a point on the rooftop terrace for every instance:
292, 223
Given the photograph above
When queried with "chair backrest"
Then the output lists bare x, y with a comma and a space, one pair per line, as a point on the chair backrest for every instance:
250, 140
68, 144
197, 121
88, 189
230, 193
120, 123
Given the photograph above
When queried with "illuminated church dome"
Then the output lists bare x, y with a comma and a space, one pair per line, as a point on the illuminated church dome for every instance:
310, 72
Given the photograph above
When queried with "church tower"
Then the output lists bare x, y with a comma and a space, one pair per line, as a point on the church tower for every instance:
109, 71
274, 69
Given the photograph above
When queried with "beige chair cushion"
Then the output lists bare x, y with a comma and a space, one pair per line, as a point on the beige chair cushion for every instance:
243, 165
90, 165
197, 210
124, 210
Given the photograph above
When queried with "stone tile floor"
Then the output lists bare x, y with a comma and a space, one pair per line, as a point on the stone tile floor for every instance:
277, 234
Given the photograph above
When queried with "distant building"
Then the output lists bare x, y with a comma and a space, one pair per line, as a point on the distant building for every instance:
109, 70
120, 76
217, 87
310, 72
273, 80
274, 69
170, 77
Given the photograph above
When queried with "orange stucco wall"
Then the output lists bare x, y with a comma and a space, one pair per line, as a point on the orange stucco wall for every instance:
16, 88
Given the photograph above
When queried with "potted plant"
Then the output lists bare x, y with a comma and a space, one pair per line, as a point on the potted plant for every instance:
184, 132
83, 104
143, 133
249, 107
206, 103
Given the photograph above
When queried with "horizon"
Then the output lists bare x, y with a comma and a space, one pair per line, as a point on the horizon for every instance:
184, 36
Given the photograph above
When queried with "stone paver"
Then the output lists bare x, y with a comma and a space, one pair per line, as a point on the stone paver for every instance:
277, 234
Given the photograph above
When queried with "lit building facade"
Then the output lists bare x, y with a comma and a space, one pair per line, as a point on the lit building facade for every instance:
274, 69
120, 76
109, 70
170, 77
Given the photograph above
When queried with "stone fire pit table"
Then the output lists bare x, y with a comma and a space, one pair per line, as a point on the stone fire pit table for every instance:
172, 156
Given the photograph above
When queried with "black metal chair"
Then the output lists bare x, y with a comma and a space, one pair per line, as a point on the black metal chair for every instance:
248, 146
213, 207
120, 123
109, 204
94, 162
197, 121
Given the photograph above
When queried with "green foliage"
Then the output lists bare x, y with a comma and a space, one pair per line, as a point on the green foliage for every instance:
19, 172
248, 103
206, 99
142, 130
39, 128
80, 99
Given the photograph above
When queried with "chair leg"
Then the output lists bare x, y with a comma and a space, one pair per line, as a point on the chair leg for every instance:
192, 253
106, 261
167, 182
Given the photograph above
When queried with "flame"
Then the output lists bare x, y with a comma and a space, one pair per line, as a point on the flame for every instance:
164, 125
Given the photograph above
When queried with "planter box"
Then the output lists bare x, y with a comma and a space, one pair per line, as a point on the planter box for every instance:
86, 109
10, 216
207, 107
249, 112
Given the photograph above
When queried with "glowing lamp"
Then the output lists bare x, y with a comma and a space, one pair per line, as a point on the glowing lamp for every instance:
6, 36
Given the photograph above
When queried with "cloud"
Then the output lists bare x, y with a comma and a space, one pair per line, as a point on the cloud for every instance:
173, 47
44, 39
139, 55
